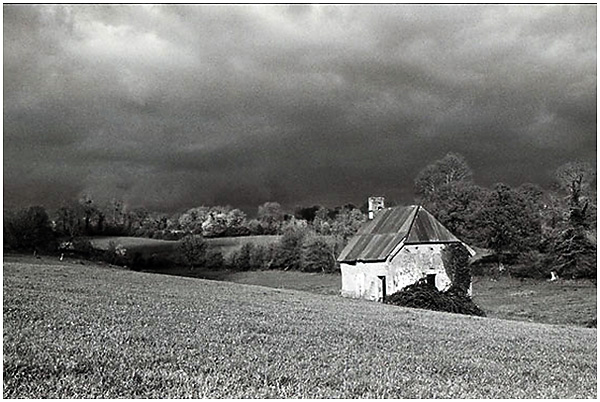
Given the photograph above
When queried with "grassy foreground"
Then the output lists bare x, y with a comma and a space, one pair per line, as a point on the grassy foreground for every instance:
89, 331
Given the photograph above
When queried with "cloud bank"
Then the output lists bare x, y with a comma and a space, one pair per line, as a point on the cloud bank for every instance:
171, 107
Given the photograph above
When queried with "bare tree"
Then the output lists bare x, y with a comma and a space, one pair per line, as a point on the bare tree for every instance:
576, 178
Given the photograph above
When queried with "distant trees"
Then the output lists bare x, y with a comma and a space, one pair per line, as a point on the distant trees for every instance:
545, 229
69, 219
28, 229
270, 216
446, 189
307, 213
451, 169
507, 223
347, 222
540, 229
573, 248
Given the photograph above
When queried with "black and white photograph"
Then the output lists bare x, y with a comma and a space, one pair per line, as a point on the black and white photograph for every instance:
299, 201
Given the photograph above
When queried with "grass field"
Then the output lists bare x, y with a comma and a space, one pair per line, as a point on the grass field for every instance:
91, 331
560, 302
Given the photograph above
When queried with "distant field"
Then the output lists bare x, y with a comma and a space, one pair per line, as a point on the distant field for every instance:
148, 246
560, 302
134, 243
87, 331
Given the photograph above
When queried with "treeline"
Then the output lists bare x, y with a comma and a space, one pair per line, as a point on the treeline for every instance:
531, 231
310, 239
87, 218
299, 249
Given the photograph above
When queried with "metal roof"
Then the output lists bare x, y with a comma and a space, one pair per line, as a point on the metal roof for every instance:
377, 238
427, 229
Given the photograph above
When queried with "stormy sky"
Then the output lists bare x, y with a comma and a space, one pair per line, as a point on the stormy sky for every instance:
171, 107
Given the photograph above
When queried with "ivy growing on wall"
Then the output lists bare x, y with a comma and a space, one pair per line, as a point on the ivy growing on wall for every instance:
456, 263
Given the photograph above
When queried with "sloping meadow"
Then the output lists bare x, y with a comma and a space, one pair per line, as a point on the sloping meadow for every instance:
91, 331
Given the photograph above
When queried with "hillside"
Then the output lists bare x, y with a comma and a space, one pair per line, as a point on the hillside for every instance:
90, 331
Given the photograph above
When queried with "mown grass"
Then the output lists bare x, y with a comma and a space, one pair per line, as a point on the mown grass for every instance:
90, 331
560, 302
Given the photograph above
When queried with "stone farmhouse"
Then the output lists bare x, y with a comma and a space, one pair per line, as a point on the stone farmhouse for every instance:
395, 248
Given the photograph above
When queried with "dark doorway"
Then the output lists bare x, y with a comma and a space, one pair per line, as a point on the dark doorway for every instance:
431, 280
383, 288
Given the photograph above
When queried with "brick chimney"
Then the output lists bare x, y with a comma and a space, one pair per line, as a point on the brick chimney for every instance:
375, 204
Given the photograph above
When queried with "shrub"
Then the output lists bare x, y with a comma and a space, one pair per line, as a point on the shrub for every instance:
115, 254
251, 257
318, 256
83, 246
531, 264
289, 251
425, 296
240, 259
213, 259
136, 261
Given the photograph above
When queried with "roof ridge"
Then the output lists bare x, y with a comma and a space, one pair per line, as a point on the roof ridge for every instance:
413, 221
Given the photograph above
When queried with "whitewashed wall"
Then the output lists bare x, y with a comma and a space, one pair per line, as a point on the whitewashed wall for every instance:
414, 262
360, 280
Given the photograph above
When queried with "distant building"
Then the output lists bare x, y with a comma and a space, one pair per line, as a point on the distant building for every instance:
395, 249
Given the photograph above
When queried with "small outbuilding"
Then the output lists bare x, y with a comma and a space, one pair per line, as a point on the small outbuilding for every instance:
394, 249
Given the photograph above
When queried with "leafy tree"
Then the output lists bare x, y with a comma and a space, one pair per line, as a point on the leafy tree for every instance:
28, 229
572, 245
192, 249
215, 223
191, 221
270, 216
347, 222
136, 219
574, 255
446, 189
236, 223
507, 224
319, 255
255, 227
457, 206
321, 223
451, 168
289, 252
69, 220
89, 209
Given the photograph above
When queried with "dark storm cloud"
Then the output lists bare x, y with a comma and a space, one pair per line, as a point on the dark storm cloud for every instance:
172, 107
